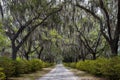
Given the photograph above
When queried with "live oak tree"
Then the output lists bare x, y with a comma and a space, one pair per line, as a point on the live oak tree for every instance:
73, 29
25, 14
110, 21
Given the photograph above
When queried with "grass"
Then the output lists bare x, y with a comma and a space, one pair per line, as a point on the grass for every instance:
32, 76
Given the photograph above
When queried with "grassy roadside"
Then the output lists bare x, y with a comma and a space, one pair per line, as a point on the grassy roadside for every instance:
32, 76
84, 76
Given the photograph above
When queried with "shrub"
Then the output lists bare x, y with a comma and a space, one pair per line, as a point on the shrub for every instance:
98, 66
73, 65
2, 75
8, 65
109, 68
92, 66
36, 65
46, 64
85, 66
25, 66
15, 68
22, 67
67, 64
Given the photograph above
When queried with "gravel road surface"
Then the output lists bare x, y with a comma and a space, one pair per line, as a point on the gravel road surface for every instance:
59, 73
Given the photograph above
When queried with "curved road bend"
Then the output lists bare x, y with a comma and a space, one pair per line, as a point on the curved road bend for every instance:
59, 73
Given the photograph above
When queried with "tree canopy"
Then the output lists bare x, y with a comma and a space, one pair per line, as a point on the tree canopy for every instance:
51, 30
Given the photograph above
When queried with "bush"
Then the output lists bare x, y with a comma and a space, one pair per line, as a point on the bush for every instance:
22, 67
2, 75
85, 66
25, 66
73, 65
8, 65
98, 66
36, 65
46, 64
109, 68
15, 68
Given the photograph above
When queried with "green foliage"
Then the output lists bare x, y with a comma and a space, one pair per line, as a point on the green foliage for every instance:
15, 68
4, 41
2, 75
48, 64
8, 65
22, 66
109, 68
36, 65
83, 65
54, 34
73, 65
25, 66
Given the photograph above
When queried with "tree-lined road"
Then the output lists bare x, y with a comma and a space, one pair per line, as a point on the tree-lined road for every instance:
59, 73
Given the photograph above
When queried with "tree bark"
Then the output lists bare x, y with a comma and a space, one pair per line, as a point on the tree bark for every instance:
39, 55
114, 43
27, 56
14, 51
114, 48
94, 56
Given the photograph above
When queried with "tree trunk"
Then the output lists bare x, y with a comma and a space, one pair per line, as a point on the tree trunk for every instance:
39, 54
94, 56
82, 55
114, 48
114, 43
14, 51
26, 56
83, 58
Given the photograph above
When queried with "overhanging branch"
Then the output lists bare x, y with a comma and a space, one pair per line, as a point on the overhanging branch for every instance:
35, 26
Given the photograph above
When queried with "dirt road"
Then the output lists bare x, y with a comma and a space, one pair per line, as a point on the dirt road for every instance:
59, 73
